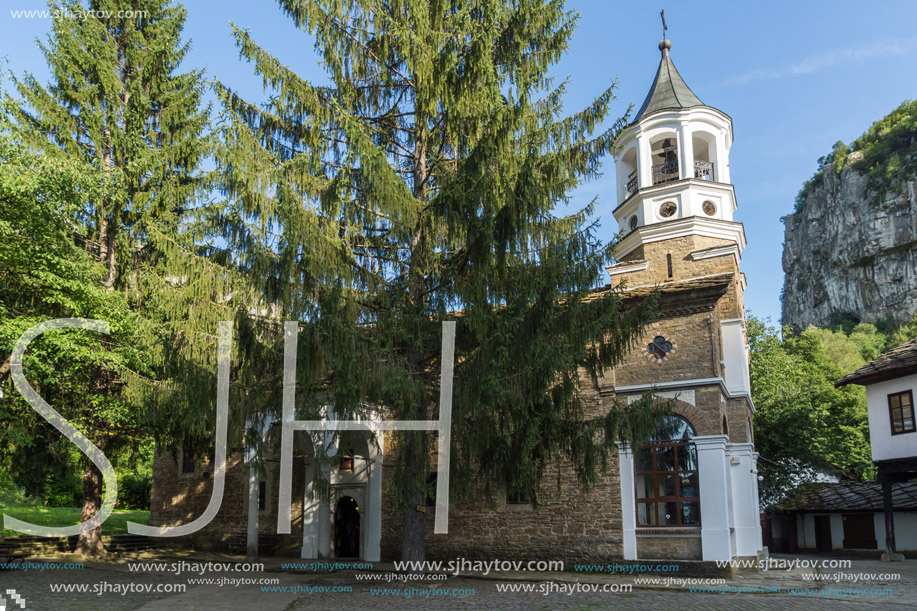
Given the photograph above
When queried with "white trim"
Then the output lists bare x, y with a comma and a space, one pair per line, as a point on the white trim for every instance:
672, 189
719, 251
626, 268
693, 225
687, 384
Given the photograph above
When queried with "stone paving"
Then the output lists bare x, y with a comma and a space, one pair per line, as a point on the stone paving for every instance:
313, 590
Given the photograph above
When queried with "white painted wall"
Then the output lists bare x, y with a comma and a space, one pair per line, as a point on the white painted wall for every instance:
735, 357
744, 513
714, 497
628, 502
886, 446
905, 531
837, 531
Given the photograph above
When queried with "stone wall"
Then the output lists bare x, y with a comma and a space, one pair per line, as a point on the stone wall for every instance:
848, 250
669, 547
179, 498
570, 524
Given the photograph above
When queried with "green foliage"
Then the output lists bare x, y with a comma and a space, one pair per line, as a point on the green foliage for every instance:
102, 225
422, 180
134, 468
66, 516
46, 274
887, 154
889, 147
902, 335
793, 389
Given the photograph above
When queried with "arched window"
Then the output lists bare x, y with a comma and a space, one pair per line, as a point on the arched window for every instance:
666, 475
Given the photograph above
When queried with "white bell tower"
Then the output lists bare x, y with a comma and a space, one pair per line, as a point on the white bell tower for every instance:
672, 166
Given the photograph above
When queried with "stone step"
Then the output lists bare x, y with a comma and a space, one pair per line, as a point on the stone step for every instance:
36, 546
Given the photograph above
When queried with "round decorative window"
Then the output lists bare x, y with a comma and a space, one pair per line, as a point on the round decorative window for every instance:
709, 208
659, 349
668, 209
633, 222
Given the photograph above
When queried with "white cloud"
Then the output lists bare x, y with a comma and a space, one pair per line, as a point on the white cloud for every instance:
814, 63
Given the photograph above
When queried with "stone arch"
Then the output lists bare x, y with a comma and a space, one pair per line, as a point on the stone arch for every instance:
693, 415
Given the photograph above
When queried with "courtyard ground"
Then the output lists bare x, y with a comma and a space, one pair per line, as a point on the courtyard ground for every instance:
116, 585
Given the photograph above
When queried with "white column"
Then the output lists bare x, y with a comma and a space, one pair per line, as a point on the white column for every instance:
745, 500
714, 500
721, 170
628, 502
621, 178
686, 149
644, 162
759, 536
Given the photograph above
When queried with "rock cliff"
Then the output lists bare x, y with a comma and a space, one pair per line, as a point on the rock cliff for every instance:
850, 249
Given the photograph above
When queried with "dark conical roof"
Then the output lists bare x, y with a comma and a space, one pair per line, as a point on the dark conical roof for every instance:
669, 89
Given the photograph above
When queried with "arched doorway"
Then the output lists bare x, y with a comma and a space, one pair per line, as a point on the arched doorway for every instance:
347, 528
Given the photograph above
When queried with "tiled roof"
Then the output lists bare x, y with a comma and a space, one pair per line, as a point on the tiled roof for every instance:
894, 363
677, 296
848, 496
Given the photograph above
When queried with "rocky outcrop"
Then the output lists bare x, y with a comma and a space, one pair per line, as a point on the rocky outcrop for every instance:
851, 250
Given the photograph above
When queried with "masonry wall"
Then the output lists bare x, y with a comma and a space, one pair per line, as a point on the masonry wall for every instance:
570, 524
179, 498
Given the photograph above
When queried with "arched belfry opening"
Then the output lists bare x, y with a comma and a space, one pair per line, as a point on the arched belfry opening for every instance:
665, 159
347, 528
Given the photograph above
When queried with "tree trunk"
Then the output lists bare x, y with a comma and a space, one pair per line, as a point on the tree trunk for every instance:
90, 542
112, 259
103, 238
412, 520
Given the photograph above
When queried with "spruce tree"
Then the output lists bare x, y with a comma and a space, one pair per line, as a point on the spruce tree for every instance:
118, 108
424, 179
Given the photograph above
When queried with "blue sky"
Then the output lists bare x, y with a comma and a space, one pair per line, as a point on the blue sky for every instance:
794, 76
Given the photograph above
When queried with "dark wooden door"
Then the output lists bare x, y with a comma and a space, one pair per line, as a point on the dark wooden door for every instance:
859, 531
823, 533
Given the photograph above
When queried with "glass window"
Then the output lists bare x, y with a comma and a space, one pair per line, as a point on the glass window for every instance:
660, 347
668, 491
901, 412
668, 209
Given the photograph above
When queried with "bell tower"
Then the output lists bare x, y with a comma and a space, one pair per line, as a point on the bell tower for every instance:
675, 209
673, 187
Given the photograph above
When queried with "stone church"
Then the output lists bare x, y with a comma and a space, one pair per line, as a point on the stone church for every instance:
690, 496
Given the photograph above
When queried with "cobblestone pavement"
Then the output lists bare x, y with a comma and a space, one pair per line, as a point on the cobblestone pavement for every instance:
314, 590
